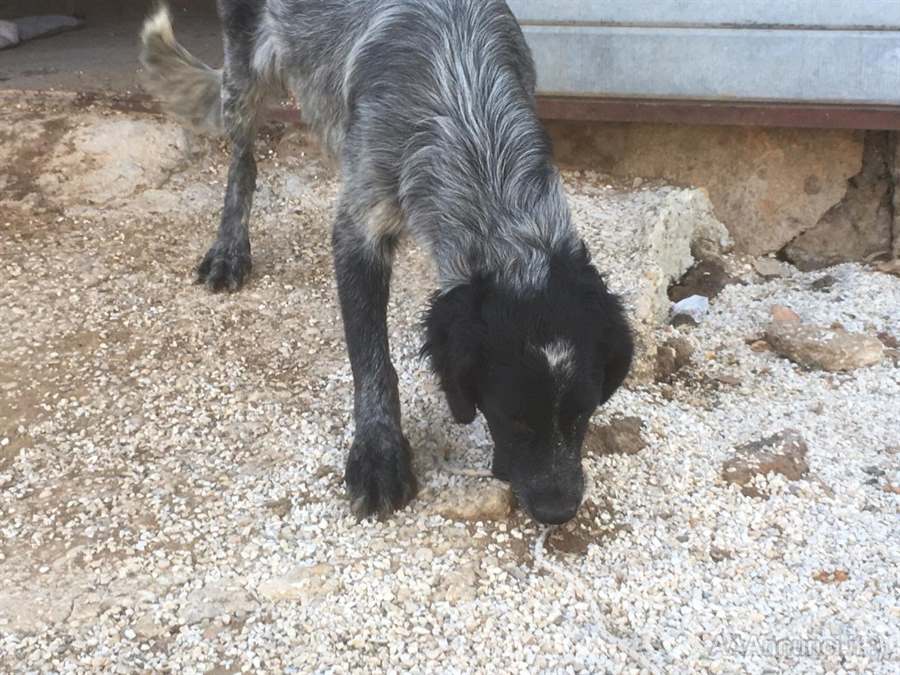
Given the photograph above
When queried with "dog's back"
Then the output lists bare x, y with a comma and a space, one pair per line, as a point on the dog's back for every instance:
330, 53
402, 60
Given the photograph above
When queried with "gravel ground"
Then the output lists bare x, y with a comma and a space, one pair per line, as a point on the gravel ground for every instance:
170, 460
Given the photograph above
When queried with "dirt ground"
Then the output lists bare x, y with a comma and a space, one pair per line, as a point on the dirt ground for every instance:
171, 460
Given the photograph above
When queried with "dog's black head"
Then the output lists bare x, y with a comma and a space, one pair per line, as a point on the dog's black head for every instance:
536, 365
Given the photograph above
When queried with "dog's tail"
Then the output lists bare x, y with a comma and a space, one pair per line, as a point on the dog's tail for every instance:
184, 85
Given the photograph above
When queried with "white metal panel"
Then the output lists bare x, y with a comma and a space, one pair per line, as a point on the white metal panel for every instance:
822, 14
718, 64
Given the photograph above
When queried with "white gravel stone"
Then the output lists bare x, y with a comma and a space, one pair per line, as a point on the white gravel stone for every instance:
696, 307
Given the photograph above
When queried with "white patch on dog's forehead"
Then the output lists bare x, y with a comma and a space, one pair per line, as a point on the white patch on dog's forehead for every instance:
560, 356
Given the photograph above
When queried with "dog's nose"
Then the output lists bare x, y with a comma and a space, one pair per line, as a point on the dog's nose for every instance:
553, 507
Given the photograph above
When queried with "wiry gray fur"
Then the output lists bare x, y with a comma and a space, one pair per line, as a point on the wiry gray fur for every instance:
187, 87
428, 107
437, 98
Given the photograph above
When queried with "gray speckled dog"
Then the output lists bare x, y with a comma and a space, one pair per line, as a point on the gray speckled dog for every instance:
428, 106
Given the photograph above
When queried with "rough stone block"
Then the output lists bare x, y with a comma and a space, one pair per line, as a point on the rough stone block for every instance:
767, 185
859, 226
642, 242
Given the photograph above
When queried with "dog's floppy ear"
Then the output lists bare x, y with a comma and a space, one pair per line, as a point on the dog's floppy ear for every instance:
615, 345
454, 339
615, 349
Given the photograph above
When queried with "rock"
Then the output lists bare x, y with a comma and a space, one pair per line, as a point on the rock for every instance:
728, 380
889, 267
770, 268
888, 340
719, 554
893, 355
621, 436
34, 611
460, 585
760, 346
213, 601
280, 507
835, 577
784, 453
654, 233
112, 160
147, 628
683, 321
695, 306
860, 224
825, 283
706, 278
304, 583
783, 314
896, 233
491, 501
822, 348
673, 355
767, 185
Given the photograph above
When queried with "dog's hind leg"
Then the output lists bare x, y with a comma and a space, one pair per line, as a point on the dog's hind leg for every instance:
379, 474
227, 263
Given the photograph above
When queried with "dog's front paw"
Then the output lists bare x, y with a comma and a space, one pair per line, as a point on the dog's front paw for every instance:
225, 266
379, 475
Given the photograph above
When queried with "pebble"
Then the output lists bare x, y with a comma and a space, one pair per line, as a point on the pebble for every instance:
304, 583
783, 453
770, 268
782, 314
830, 349
707, 278
671, 356
824, 283
621, 436
475, 502
889, 267
695, 306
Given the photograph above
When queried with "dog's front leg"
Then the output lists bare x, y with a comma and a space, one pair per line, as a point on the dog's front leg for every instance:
379, 474
227, 263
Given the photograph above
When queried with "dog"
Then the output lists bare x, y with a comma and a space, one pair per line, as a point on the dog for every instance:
428, 108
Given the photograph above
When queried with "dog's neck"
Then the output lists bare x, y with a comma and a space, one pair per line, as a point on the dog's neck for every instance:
513, 243
506, 218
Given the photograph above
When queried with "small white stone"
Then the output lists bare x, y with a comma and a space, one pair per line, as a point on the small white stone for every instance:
696, 307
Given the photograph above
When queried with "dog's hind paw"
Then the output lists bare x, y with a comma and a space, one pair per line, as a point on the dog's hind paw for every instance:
225, 266
379, 476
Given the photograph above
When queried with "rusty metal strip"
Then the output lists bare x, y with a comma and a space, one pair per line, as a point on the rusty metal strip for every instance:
809, 116
559, 108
